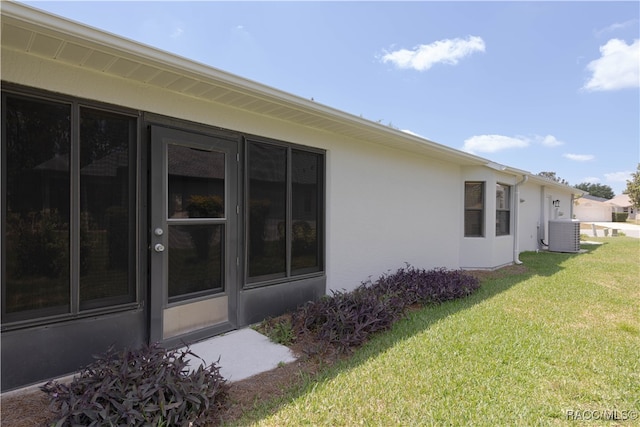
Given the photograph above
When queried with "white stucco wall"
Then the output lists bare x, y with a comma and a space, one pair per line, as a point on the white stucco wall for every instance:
529, 217
384, 207
537, 210
387, 207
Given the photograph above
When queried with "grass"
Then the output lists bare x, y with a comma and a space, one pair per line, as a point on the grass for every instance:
543, 347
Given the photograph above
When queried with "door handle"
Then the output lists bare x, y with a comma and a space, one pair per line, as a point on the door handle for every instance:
159, 247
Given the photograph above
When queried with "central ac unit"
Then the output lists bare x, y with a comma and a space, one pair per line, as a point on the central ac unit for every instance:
564, 236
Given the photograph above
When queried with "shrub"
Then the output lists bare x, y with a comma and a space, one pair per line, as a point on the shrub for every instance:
303, 238
441, 285
41, 244
419, 286
205, 206
149, 386
619, 216
346, 319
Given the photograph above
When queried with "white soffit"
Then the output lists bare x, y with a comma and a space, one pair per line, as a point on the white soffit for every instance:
31, 31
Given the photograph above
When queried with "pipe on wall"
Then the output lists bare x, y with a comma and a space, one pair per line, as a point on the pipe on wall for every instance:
541, 223
516, 215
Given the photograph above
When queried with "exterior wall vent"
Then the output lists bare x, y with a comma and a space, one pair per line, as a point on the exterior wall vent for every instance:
564, 236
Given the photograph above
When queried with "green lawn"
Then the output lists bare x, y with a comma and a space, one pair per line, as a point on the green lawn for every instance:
556, 343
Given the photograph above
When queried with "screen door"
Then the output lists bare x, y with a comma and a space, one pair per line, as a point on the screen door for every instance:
193, 233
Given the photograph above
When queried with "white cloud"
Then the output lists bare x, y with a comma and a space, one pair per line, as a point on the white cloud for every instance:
579, 157
617, 68
616, 26
423, 57
591, 179
618, 176
493, 143
549, 141
177, 32
157, 29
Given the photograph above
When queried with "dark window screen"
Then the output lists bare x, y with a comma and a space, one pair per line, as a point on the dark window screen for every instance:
267, 210
37, 152
107, 208
305, 201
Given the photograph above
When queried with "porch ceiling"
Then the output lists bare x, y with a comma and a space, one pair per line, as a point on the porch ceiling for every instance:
34, 32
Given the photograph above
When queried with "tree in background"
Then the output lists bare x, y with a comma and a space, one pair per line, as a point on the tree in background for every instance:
633, 188
597, 190
552, 176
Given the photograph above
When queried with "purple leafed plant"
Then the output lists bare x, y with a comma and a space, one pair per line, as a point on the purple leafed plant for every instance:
419, 286
347, 319
148, 386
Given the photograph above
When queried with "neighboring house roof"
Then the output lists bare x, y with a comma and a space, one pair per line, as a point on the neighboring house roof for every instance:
589, 203
34, 32
189, 162
621, 200
594, 198
108, 165
59, 163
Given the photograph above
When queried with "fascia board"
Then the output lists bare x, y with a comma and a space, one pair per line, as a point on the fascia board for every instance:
549, 183
540, 180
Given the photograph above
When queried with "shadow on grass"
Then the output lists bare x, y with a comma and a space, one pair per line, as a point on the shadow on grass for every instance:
546, 263
493, 283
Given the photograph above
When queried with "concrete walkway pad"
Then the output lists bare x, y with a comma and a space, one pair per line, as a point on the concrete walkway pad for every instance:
243, 353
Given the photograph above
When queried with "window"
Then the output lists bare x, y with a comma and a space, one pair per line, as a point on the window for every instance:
36, 238
68, 208
196, 199
107, 208
285, 196
474, 209
503, 210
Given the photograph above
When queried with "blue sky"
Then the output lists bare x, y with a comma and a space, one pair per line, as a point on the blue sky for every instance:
540, 86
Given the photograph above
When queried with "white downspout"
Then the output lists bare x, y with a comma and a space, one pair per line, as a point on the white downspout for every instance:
516, 215
541, 222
